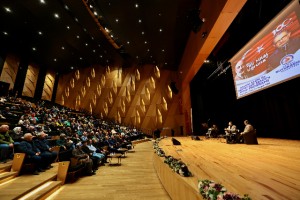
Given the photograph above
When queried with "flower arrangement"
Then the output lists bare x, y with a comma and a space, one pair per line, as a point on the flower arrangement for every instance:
215, 191
177, 166
158, 150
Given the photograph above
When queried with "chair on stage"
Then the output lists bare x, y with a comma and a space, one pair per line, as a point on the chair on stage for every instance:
250, 137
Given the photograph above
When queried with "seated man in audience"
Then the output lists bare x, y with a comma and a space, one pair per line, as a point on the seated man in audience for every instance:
89, 149
33, 154
6, 143
42, 144
249, 134
84, 159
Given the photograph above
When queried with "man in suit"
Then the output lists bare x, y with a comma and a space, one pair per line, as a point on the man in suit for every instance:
249, 134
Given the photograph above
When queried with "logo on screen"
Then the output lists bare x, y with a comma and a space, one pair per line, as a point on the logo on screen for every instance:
287, 59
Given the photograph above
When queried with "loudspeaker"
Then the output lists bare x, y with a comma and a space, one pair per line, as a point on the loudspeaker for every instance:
173, 87
175, 142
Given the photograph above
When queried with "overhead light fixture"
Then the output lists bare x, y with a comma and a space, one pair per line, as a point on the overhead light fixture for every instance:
63, 48
140, 21
160, 30
7, 9
56, 15
117, 20
5, 33
136, 5
33, 48
55, 59
40, 33
143, 33
78, 36
86, 44
42, 1
95, 13
68, 27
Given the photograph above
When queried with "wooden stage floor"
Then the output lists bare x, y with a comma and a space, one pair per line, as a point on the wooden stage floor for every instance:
270, 170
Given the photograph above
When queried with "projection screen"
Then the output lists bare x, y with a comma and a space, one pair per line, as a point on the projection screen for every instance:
272, 56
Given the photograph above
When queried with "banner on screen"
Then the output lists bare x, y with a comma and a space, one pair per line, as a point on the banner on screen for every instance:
272, 56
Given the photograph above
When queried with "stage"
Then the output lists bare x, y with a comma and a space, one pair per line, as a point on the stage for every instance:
270, 170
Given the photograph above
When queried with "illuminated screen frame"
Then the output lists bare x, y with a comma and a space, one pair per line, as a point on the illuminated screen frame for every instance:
267, 60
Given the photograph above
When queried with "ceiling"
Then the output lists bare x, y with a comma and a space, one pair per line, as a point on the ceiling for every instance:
66, 34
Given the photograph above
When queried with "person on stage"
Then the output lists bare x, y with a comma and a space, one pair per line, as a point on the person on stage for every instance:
231, 133
249, 134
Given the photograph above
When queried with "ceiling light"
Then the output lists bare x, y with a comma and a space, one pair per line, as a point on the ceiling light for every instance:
101, 56
206, 61
40, 33
94, 50
5, 33
7, 9
146, 42
71, 67
106, 29
160, 30
66, 7
84, 29
78, 36
95, 13
143, 33
62, 47
99, 45
56, 15
80, 58
86, 44
151, 56
159, 14
117, 20
91, 6
128, 42
166, 63
112, 36
140, 21
163, 50
137, 56
148, 49
33, 48
42, 1
76, 19
55, 59
68, 27
136, 5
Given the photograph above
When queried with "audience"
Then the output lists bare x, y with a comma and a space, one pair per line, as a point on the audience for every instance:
6, 143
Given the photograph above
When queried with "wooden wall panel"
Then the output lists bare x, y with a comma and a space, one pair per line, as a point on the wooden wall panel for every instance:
48, 86
135, 96
30, 81
10, 69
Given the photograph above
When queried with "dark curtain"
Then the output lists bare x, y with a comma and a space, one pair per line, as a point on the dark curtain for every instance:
274, 112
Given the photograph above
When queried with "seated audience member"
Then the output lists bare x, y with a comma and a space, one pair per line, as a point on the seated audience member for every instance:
66, 146
249, 134
231, 133
89, 149
33, 154
6, 143
84, 159
17, 134
42, 144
